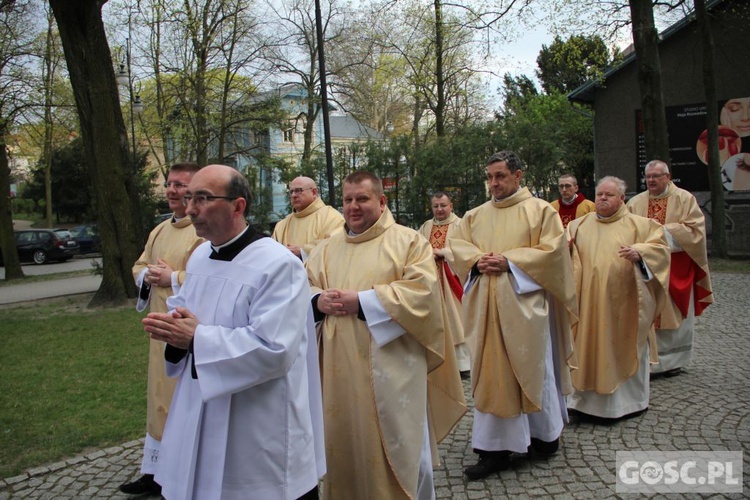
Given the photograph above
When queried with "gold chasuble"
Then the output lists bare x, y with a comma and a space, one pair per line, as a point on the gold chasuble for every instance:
375, 398
507, 332
437, 233
308, 227
617, 307
172, 242
678, 211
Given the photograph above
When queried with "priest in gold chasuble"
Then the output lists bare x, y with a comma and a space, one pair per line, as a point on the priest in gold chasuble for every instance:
689, 279
310, 222
437, 231
159, 273
518, 305
621, 264
375, 293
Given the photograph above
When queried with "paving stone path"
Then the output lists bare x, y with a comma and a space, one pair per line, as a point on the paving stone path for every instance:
706, 408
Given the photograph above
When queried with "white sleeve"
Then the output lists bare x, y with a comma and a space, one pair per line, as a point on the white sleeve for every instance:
175, 282
381, 325
673, 244
522, 282
230, 359
470, 282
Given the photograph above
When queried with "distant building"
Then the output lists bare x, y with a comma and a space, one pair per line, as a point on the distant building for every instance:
618, 127
348, 137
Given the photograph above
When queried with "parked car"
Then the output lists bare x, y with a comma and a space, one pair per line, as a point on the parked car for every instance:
44, 245
88, 238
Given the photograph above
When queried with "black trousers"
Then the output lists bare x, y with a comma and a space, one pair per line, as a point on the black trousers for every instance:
310, 495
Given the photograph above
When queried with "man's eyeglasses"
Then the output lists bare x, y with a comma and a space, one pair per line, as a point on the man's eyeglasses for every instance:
654, 176
175, 184
201, 199
297, 190
565, 186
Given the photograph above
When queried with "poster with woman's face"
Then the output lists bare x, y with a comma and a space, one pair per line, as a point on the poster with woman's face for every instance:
735, 114
688, 145
735, 162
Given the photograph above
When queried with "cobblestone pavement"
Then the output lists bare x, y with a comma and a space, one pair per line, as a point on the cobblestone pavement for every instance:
706, 408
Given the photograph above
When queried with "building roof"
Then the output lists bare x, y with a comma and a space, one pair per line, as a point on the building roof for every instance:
585, 93
346, 127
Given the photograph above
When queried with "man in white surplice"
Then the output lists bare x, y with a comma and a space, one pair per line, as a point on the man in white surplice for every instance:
246, 418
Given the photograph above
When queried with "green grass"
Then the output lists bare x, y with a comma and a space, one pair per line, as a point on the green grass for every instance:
72, 379
728, 266
47, 277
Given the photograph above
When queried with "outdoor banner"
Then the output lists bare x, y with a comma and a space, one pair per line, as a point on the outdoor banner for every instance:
688, 145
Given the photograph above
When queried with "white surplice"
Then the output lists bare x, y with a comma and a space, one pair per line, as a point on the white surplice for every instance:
250, 425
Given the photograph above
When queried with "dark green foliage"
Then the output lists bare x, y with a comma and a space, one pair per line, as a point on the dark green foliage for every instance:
566, 65
72, 195
72, 199
552, 136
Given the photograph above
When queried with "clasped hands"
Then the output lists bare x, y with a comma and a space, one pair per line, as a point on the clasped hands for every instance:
159, 274
295, 250
338, 302
491, 263
629, 253
176, 328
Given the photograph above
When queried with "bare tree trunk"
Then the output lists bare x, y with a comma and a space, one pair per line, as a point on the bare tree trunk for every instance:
7, 238
312, 114
645, 39
104, 135
718, 229
439, 78
48, 80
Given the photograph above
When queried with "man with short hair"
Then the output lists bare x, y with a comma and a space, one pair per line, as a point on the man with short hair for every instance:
310, 222
381, 334
518, 305
621, 264
159, 272
689, 279
437, 231
246, 418
571, 204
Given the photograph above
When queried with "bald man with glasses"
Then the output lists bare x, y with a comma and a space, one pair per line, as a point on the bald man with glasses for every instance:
246, 418
690, 290
159, 272
310, 222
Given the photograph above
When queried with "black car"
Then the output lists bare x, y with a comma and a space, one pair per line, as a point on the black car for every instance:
88, 238
44, 245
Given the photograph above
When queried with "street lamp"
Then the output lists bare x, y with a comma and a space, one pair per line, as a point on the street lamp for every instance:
125, 78
392, 157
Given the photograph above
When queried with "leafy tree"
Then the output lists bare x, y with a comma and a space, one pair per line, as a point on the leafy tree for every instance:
566, 65
551, 137
517, 91
69, 181
16, 54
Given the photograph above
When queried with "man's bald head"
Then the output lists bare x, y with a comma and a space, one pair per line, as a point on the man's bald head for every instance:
219, 203
302, 192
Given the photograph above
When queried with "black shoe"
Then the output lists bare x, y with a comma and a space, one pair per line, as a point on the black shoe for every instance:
672, 373
544, 448
141, 486
489, 462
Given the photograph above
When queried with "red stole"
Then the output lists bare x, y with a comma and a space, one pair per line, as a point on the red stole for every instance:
568, 212
438, 235
684, 273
